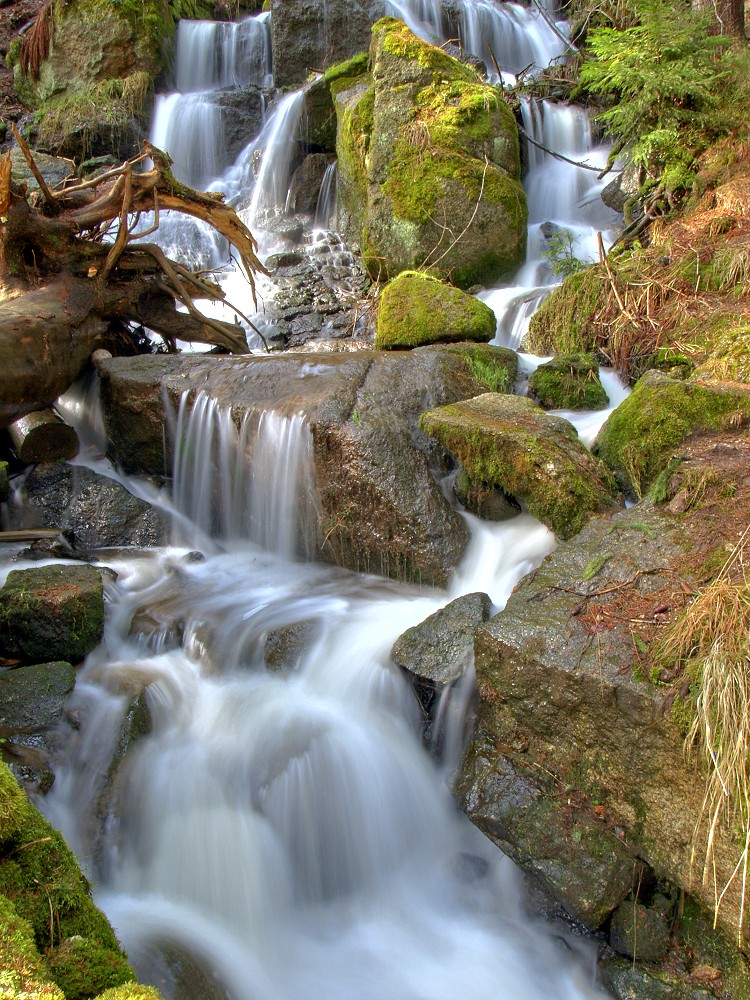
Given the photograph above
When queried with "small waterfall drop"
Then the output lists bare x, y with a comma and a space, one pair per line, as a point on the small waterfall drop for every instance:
326, 211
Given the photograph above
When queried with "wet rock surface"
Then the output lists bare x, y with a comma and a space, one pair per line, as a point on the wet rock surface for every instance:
94, 511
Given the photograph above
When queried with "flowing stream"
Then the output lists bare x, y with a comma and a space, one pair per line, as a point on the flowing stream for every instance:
280, 833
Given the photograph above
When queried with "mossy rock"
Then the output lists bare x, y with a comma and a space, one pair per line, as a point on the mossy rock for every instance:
320, 123
429, 164
38, 871
418, 309
511, 443
724, 346
23, 972
564, 323
51, 611
132, 991
492, 368
82, 968
639, 437
569, 382
14, 806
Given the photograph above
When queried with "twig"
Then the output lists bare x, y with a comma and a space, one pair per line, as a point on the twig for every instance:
122, 233
468, 224
557, 156
553, 26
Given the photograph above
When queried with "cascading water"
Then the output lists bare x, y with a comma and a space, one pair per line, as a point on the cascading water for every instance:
281, 833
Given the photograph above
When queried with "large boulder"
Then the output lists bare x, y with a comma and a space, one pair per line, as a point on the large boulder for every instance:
511, 443
429, 164
641, 435
416, 309
51, 612
94, 511
377, 504
579, 757
314, 34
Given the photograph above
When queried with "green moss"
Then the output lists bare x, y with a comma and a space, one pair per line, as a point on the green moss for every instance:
24, 974
345, 74
569, 382
83, 968
724, 343
14, 806
352, 146
399, 41
564, 323
131, 992
710, 946
38, 872
639, 436
151, 21
13, 54
418, 309
4, 483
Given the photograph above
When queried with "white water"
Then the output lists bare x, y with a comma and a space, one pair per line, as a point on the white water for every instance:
286, 833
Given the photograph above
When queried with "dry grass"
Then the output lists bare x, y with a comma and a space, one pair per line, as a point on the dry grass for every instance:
36, 43
713, 636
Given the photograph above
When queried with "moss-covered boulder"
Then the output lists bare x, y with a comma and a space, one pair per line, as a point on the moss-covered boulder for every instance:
133, 991
568, 382
32, 698
14, 805
23, 972
82, 967
418, 309
430, 164
565, 321
640, 436
511, 443
51, 611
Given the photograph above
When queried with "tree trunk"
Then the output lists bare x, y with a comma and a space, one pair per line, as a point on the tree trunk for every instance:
42, 436
728, 15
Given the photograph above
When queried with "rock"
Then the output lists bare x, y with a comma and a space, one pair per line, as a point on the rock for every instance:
32, 698
51, 611
4, 482
314, 34
94, 511
568, 382
380, 508
510, 443
55, 169
639, 931
286, 646
242, 112
436, 653
578, 861
14, 804
487, 502
640, 436
304, 186
418, 309
563, 698
626, 982
424, 145
622, 188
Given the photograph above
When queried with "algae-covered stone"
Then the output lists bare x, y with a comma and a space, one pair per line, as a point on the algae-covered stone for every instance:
23, 972
419, 309
82, 968
432, 152
624, 981
640, 436
14, 805
565, 321
51, 611
569, 382
511, 443
32, 698
488, 502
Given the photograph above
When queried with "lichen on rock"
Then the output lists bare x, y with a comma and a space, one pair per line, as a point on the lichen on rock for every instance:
568, 382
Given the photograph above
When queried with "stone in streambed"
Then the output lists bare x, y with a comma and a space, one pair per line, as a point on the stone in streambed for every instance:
32, 698
568, 382
511, 443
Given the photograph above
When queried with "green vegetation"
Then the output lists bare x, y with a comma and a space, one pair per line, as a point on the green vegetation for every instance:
565, 323
639, 437
676, 88
82, 968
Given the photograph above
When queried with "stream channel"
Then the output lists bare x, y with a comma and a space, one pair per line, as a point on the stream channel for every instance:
287, 837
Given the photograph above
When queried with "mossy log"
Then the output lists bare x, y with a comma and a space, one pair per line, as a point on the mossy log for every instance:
62, 285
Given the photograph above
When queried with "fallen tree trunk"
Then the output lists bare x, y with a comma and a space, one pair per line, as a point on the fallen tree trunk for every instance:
63, 282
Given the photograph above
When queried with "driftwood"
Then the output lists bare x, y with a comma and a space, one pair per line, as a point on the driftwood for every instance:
64, 282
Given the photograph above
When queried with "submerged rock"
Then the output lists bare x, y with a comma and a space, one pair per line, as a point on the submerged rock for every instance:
416, 308
510, 443
568, 382
51, 611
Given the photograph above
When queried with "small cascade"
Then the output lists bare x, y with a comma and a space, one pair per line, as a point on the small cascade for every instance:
276, 148
254, 482
190, 128
326, 215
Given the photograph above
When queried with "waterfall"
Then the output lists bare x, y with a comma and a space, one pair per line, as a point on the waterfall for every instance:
325, 211
253, 482
281, 833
